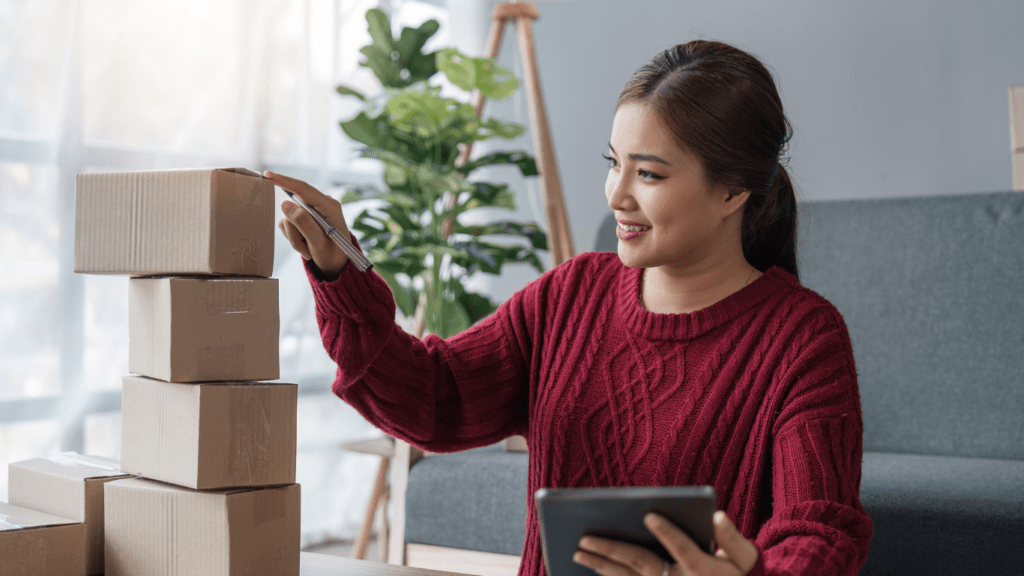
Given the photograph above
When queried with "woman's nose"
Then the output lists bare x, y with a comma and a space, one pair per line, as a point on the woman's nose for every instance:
618, 189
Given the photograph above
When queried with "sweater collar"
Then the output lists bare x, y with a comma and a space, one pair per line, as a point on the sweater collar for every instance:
654, 326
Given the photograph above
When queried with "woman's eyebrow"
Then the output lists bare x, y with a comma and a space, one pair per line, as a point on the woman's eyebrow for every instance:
641, 157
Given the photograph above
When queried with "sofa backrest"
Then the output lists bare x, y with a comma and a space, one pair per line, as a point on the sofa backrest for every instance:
932, 291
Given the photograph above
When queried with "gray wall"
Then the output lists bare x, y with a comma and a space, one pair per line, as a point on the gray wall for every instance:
887, 98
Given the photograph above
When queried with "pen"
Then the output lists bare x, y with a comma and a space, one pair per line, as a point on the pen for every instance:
361, 262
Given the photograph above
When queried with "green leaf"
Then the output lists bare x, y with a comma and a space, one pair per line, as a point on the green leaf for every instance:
358, 192
496, 128
484, 255
351, 196
380, 30
363, 129
369, 231
485, 194
457, 67
410, 55
422, 66
346, 91
447, 313
527, 165
477, 307
404, 201
538, 239
395, 177
468, 73
400, 217
405, 298
398, 63
419, 112
495, 82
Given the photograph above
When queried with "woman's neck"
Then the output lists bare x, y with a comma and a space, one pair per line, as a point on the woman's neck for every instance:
664, 291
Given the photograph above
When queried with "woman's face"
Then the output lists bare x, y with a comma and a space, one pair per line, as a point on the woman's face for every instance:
652, 181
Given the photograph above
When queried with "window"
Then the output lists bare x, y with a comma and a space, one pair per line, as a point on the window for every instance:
120, 85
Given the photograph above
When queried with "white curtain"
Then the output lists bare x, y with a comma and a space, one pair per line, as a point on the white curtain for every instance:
112, 85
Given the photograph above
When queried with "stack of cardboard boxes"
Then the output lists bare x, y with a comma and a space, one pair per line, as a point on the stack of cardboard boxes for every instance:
213, 448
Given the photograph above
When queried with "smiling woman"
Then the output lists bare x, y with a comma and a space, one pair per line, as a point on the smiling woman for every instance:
722, 370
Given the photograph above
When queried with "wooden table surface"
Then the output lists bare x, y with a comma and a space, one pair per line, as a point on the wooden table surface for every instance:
312, 564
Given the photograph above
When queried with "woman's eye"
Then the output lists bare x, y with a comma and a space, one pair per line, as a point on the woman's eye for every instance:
645, 175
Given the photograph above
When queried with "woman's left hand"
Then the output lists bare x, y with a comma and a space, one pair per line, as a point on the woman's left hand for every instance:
736, 555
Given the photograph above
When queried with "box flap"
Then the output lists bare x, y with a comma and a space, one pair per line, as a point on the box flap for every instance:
243, 171
72, 465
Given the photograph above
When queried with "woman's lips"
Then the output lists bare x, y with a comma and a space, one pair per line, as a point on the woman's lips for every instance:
628, 234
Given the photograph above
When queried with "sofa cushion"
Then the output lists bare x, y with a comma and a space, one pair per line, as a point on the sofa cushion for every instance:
930, 289
475, 500
943, 515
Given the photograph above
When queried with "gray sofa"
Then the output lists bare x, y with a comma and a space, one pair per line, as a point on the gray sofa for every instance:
932, 290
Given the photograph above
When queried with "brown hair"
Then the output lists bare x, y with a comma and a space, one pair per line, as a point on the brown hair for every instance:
722, 105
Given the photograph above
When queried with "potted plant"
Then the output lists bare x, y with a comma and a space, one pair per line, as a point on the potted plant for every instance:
418, 135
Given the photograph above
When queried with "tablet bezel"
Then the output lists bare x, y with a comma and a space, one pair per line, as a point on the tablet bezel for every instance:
565, 515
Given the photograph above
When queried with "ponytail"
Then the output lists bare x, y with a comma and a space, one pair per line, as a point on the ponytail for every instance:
770, 226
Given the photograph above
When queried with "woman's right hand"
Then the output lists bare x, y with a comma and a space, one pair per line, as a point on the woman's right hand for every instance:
302, 231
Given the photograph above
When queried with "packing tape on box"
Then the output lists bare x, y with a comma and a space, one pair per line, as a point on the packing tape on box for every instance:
245, 254
221, 362
7, 525
230, 297
75, 460
244, 172
250, 441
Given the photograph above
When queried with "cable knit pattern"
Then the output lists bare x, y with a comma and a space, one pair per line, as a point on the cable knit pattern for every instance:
755, 395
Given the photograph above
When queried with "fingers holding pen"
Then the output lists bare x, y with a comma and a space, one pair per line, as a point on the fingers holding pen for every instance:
295, 238
328, 207
309, 240
302, 230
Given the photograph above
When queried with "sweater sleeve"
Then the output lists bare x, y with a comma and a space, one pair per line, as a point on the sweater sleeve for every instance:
439, 395
818, 525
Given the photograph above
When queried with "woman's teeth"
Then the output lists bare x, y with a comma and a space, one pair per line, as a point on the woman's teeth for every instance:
634, 228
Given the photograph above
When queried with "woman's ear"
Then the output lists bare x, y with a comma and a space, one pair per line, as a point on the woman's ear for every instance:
735, 199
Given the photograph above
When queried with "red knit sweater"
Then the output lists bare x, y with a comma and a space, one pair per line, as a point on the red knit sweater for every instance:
755, 395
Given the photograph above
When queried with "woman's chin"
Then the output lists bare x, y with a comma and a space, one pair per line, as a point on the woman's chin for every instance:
629, 260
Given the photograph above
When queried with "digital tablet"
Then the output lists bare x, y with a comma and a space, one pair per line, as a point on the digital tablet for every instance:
565, 515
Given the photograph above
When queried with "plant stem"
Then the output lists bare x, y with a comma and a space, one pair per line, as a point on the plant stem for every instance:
419, 318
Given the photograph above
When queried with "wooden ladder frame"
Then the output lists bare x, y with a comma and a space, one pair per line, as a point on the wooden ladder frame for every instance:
560, 245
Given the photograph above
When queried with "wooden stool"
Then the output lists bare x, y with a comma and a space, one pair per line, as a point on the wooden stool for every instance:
379, 498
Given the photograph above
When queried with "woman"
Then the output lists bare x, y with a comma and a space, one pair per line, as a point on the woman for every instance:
692, 356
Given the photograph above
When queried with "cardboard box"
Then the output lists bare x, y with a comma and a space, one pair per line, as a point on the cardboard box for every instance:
209, 435
155, 529
206, 221
204, 329
34, 543
68, 485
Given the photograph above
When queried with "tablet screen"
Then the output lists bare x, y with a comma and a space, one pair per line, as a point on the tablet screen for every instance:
566, 514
